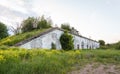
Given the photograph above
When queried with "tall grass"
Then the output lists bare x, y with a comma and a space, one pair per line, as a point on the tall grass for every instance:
102, 56
39, 61
36, 61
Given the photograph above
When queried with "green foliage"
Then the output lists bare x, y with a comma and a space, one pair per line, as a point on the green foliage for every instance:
66, 27
117, 45
3, 31
102, 56
32, 23
12, 40
3, 47
37, 61
43, 23
66, 41
27, 25
21, 61
102, 42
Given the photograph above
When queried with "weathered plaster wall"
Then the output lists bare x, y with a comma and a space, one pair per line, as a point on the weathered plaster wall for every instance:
45, 41
84, 43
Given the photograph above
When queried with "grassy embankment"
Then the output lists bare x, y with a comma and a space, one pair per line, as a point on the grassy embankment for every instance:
21, 61
12, 40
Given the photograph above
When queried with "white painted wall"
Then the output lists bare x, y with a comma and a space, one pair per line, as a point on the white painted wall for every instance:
46, 40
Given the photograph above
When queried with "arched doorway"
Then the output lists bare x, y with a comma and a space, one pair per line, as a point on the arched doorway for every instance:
82, 45
78, 47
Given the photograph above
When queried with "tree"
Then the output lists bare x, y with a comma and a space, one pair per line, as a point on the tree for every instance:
117, 45
32, 23
16, 29
102, 42
66, 41
27, 25
66, 26
44, 23
3, 31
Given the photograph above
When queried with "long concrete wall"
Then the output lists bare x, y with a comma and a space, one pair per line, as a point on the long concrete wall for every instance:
45, 41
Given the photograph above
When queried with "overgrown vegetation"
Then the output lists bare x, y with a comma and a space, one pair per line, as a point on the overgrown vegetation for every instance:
66, 41
102, 42
32, 23
118, 45
102, 56
3, 30
66, 27
22, 61
11, 40
113, 46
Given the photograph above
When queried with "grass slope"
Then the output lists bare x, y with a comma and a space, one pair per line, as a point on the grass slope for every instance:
11, 40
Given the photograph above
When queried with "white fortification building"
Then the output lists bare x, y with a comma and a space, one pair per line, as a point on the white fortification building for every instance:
52, 35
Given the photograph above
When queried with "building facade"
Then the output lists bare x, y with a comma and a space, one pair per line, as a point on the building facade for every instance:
45, 40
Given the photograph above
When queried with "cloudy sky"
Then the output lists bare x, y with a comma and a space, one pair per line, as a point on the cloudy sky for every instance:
97, 19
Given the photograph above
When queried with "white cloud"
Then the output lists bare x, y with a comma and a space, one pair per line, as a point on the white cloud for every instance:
15, 5
9, 16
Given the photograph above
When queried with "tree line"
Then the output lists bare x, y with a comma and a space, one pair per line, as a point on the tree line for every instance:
32, 23
29, 24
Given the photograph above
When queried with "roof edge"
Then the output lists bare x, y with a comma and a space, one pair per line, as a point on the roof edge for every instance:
45, 32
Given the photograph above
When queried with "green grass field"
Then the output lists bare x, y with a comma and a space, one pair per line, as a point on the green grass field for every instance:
41, 61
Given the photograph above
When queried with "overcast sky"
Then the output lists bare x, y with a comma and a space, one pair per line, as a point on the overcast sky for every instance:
97, 19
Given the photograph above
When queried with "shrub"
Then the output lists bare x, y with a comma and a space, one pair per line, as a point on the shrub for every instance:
27, 25
118, 46
32, 23
66, 41
3, 31
66, 26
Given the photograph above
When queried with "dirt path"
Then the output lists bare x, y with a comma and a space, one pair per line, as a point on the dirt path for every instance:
98, 69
